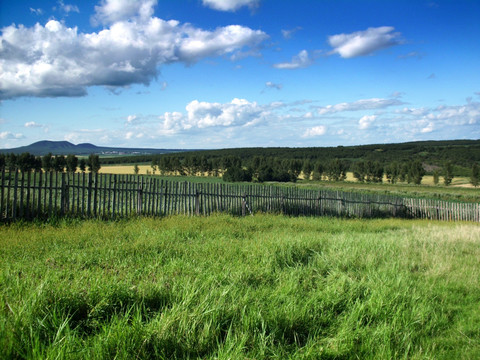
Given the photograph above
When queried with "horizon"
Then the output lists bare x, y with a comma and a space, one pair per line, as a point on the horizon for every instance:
232, 148
217, 74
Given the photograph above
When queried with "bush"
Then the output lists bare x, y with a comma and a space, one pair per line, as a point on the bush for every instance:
237, 174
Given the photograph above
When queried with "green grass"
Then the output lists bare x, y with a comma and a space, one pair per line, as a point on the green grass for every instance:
263, 287
439, 192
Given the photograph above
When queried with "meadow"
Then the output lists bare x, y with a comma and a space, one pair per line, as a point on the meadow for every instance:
222, 287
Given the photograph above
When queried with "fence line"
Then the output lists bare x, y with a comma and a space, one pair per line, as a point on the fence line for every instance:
42, 195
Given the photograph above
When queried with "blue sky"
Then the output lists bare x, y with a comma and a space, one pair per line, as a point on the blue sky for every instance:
238, 73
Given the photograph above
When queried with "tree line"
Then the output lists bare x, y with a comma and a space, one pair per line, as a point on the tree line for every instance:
262, 169
27, 162
462, 153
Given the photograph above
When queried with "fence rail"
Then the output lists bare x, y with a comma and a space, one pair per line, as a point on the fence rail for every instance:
42, 195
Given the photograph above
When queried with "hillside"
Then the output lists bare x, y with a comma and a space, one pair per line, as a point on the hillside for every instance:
462, 153
65, 148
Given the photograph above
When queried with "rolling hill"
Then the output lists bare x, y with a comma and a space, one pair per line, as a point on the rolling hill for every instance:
66, 148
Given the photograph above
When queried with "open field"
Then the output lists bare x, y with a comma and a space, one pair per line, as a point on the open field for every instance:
460, 190
263, 287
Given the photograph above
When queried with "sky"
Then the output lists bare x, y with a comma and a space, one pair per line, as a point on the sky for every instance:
209, 74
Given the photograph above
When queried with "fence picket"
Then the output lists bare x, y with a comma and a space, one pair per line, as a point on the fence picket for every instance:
23, 195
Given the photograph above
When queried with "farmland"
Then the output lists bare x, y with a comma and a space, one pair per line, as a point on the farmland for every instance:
222, 287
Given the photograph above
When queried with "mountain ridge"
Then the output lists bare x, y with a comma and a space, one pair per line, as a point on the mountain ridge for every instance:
43, 147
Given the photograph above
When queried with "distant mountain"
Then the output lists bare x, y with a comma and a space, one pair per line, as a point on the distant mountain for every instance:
66, 148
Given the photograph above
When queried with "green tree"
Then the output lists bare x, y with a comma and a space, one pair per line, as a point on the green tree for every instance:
47, 162
448, 173
72, 163
307, 169
237, 174
392, 171
475, 177
93, 163
416, 172
336, 170
153, 165
82, 165
295, 167
136, 169
318, 171
2, 161
436, 177
359, 170
11, 162
26, 162
59, 163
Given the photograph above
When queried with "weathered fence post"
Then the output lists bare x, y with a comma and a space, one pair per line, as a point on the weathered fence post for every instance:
15, 195
89, 193
139, 199
244, 204
197, 202
63, 196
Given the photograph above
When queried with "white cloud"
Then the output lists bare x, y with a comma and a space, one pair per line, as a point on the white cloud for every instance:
315, 131
32, 124
272, 85
36, 11
363, 104
230, 5
366, 121
458, 115
302, 60
287, 34
413, 111
67, 7
131, 119
7, 135
365, 42
427, 129
238, 112
111, 11
56, 60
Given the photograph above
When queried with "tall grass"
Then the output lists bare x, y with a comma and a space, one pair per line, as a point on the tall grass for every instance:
263, 287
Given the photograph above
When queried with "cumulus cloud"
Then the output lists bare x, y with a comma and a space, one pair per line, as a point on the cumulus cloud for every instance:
302, 60
428, 128
7, 135
458, 115
366, 121
199, 115
315, 131
230, 5
56, 60
111, 11
361, 43
363, 104
32, 124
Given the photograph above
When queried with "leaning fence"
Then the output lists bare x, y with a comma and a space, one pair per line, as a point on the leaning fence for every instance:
29, 195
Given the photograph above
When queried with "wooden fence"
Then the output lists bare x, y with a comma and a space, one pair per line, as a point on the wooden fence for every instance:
42, 195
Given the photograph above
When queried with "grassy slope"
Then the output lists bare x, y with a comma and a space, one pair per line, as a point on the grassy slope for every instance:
255, 287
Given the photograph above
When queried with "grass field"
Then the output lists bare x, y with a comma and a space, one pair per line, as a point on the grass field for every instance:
263, 287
